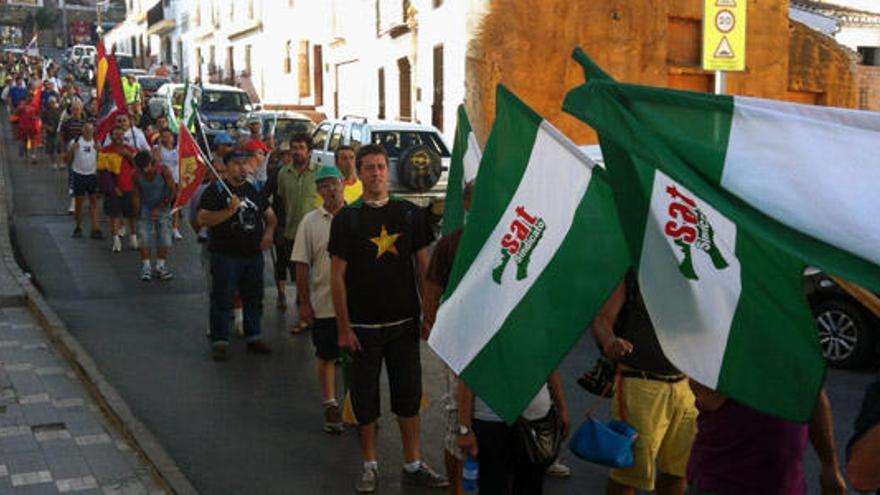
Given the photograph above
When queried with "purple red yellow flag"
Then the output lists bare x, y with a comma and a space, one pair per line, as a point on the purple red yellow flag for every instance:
192, 167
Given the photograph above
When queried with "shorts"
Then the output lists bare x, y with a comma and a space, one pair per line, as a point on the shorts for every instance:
665, 416
52, 143
398, 346
283, 265
155, 233
83, 184
118, 206
324, 337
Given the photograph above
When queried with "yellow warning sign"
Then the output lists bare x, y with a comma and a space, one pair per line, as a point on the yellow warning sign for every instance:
724, 35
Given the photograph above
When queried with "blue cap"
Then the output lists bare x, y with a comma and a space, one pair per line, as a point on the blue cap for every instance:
223, 138
238, 154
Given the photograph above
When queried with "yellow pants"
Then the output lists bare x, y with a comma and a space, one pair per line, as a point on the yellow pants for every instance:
665, 416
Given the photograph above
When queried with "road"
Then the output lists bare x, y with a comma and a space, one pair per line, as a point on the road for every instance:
253, 424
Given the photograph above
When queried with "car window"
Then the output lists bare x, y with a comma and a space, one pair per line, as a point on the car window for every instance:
224, 101
336, 137
396, 142
357, 136
286, 128
152, 83
320, 137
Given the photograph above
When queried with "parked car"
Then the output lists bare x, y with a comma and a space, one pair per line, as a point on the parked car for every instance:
849, 333
286, 123
221, 107
150, 84
418, 157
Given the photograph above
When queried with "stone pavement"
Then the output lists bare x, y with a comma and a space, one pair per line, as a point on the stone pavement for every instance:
53, 437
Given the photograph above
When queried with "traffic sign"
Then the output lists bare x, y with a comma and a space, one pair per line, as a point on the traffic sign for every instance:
724, 35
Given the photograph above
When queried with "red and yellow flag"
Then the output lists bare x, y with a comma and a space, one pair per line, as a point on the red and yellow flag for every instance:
192, 167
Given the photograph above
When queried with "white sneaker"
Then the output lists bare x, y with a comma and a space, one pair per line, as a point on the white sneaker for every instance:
72, 207
163, 273
117, 244
122, 231
133, 241
558, 470
146, 273
177, 235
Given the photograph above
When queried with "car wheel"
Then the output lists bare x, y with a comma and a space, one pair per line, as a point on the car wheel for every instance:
843, 333
419, 168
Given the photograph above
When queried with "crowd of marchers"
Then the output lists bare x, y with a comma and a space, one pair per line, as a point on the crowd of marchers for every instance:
369, 275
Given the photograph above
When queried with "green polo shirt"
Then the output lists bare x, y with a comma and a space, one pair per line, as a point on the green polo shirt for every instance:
299, 194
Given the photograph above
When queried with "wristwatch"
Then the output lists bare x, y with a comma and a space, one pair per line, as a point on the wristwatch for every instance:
463, 430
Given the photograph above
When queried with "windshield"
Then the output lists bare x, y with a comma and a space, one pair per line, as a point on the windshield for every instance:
288, 127
152, 83
224, 101
396, 142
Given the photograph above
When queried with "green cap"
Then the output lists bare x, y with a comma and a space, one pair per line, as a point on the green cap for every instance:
328, 172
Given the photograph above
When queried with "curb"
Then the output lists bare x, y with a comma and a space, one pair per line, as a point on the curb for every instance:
165, 471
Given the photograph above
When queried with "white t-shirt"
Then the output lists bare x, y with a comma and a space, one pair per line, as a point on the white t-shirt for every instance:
85, 157
538, 408
133, 137
169, 159
310, 247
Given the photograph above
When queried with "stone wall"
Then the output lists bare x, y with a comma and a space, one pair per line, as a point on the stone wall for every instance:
526, 45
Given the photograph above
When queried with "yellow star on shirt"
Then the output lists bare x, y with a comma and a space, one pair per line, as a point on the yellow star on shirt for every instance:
385, 242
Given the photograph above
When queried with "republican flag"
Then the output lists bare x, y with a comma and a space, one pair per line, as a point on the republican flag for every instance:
192, 167
111, 99
531, 272
32, 47
724, 200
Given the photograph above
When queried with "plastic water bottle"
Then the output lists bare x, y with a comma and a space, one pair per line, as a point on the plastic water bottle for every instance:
470, 475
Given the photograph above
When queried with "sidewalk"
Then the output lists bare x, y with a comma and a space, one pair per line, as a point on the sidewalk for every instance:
54, 438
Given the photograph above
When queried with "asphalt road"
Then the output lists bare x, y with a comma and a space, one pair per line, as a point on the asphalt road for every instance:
253, 424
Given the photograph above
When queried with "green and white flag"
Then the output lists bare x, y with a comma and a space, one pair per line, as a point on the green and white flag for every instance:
721, 208
462, 169
172, 115
541, 252
191, 96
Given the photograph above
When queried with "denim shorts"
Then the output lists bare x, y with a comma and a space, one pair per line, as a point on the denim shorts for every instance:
155, 233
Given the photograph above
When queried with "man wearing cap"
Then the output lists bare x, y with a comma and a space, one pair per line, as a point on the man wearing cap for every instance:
313, 287
297, 192
241, 226
257, 166
132, 90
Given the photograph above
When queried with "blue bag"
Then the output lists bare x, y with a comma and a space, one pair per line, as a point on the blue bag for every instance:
608, 445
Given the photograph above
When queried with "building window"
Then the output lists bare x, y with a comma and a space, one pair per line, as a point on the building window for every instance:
404, 73
381, 92
288, 63
437, 103
247, 59
318, 75
437, 3
869, 55
302, 63
230, 62
212, 59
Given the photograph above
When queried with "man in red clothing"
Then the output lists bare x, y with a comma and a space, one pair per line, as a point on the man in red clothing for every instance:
27, 116
116, 181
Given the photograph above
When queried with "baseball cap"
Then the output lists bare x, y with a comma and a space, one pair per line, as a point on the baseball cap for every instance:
254, 145
238, 154
223, 138
328, 172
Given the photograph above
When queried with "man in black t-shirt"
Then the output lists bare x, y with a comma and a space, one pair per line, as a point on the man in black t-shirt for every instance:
240, 228
378, 249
